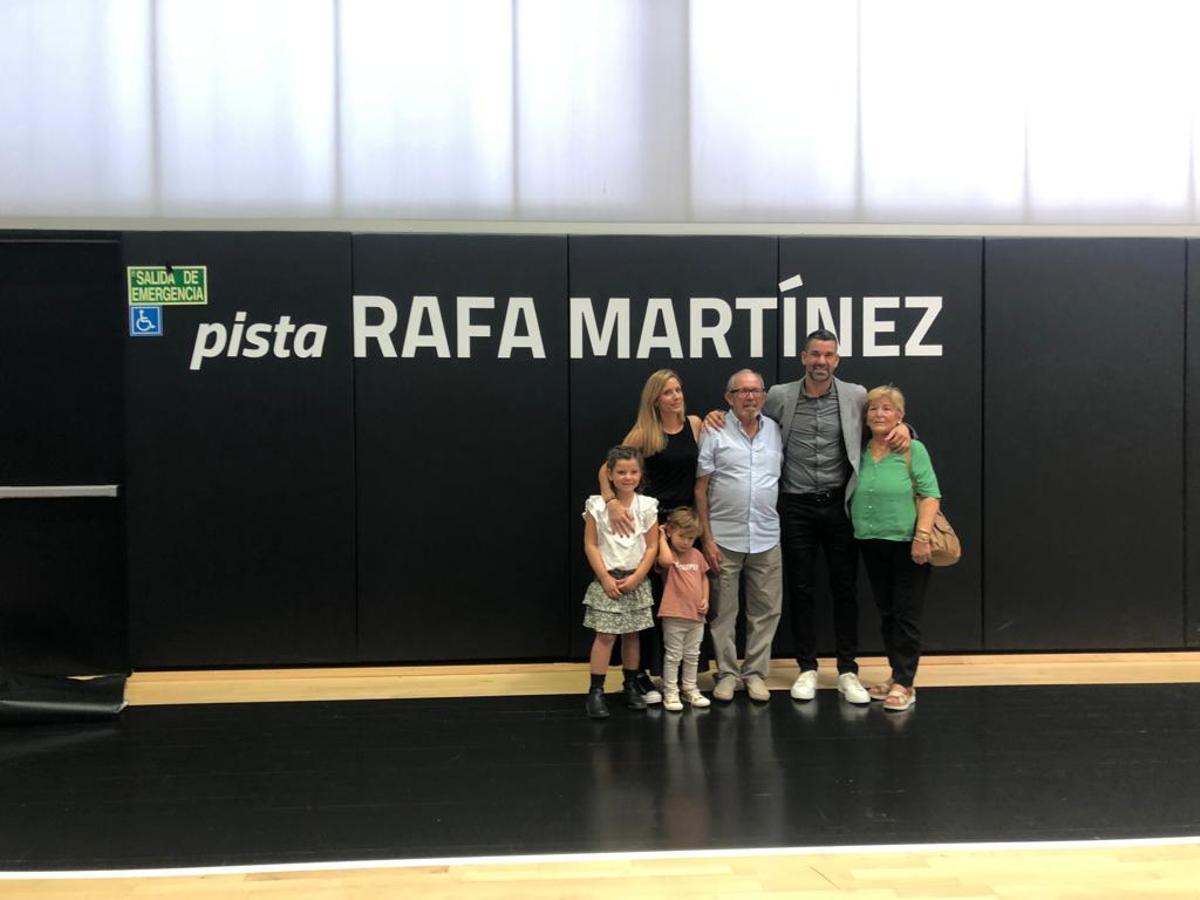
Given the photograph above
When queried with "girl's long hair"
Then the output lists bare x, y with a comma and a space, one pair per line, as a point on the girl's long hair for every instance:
647, 432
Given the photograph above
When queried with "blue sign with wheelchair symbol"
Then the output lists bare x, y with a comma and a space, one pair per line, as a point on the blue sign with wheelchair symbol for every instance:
145, 321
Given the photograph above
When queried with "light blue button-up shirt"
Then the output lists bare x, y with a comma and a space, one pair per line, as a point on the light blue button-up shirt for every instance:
743, 484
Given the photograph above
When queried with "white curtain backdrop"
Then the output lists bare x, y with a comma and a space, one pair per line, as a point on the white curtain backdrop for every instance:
673, 111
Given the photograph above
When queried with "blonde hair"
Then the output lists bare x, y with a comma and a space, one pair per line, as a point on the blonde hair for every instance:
888, 392
684, 518
647, 432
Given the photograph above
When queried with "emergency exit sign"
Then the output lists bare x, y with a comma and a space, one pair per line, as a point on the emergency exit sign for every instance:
167, 286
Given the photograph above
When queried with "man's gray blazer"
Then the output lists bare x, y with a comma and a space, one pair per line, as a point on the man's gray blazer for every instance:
781, 406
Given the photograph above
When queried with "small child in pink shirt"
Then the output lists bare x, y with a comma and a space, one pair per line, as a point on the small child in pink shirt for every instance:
684, 605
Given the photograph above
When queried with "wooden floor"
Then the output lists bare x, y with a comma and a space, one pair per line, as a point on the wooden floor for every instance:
1152, 869
1036, 874
409, 682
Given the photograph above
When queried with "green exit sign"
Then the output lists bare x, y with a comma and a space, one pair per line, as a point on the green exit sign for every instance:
163, 286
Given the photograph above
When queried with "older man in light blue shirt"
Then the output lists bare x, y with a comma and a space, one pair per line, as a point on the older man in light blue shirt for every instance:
737, 485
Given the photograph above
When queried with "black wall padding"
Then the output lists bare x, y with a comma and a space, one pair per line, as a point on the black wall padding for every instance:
241, 473
426, 508
1083, 443
1192, 450
462, 461
63, 606
605, 388
943, 391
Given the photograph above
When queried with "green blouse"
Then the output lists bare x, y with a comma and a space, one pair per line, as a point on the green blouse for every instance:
882, 507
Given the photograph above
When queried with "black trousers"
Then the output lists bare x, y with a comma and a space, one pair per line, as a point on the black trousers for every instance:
807, 527
899, 587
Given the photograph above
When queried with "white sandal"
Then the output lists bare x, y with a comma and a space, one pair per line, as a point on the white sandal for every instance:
881, 690
900, 698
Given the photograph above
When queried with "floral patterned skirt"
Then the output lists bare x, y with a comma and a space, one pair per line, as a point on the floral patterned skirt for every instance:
623, 615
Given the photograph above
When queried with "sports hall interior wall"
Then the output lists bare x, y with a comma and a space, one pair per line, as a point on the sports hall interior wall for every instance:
343, 509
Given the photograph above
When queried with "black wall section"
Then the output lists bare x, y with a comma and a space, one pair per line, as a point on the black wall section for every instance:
334, 509
931, 290
462, 461
605, 388
1083, 443
1192, 453
63, 606
241, 473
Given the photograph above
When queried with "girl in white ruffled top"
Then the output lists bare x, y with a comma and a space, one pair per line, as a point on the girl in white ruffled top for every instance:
618, 601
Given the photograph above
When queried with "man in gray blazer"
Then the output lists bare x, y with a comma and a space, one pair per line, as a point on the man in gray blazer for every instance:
821, 420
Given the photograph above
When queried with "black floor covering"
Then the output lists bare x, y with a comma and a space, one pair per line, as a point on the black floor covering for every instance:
309, 782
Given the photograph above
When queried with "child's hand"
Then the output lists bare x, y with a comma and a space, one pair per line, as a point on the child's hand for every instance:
702, 607
628, 583
611, 587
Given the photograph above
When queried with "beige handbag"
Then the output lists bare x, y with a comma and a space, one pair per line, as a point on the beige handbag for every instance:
945, 549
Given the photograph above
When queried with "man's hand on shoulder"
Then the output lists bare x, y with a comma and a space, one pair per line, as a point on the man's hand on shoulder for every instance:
899, 438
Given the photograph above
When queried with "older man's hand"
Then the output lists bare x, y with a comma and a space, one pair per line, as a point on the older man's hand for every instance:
714, 421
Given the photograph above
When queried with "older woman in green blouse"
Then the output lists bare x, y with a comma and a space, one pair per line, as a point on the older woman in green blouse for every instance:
893, 510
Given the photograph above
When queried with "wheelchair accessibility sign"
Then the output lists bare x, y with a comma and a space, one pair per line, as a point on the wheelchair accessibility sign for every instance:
145, 321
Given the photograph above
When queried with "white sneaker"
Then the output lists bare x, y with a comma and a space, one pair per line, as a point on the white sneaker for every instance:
851, 688
805, 687
696, 699
671, 701
645, 684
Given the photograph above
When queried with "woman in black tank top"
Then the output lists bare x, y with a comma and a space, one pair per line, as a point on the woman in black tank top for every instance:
671, 473
667, 437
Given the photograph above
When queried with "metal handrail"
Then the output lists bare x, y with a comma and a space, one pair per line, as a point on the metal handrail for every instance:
55, 491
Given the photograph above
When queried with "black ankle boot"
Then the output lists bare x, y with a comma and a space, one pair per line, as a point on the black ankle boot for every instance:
596, 707
633, 697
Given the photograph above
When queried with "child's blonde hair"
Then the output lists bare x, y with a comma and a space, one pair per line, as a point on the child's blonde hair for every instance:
684, 519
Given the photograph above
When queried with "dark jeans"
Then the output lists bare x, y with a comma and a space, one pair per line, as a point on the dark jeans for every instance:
899, 587
808, 526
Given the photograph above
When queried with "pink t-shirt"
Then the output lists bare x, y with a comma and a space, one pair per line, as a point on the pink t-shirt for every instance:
682, 585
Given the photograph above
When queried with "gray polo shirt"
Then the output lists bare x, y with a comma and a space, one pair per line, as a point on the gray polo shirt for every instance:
815, 457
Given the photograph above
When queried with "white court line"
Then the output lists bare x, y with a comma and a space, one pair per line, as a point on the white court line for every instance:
540, 859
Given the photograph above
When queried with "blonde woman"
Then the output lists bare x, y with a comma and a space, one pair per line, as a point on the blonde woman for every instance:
893, 510
668, 438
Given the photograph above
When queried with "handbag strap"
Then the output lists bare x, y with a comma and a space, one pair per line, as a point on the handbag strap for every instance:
913, 484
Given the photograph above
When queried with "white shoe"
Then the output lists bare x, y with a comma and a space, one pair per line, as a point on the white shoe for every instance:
645, 684
851, 688
671, 701
696, 699
805, 687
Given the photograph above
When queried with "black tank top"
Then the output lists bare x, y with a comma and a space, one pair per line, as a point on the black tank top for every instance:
671, 473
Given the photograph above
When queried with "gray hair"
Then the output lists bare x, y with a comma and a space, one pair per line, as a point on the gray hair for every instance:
738, 374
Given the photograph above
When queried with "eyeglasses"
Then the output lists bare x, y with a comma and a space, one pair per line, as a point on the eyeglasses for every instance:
748, 392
